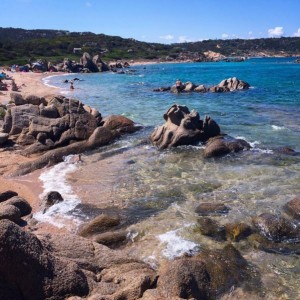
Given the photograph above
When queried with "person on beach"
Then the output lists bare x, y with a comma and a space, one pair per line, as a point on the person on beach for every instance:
178, 85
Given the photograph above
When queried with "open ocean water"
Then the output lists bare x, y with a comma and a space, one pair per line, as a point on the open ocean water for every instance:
159, 190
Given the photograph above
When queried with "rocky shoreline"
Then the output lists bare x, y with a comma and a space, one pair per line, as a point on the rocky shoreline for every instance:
94, 263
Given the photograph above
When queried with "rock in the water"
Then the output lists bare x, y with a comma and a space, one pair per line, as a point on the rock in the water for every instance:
200, 89
99, 224
293, 208
111, 238
258, 241
232, 84
35, 272
183, 127
120, 124
208, 208
52, 198
277, 228
205, 276
212, 229
237, 231
221, 146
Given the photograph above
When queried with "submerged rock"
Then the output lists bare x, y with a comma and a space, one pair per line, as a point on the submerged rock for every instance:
277, 228
99, 224
260, 242
237, 231
293, 208
209, 208
183, 127
111, 238
211, 228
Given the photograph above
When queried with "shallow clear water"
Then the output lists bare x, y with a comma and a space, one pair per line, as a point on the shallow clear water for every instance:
159, 190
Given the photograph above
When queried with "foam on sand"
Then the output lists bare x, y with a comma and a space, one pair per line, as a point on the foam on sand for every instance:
55, 179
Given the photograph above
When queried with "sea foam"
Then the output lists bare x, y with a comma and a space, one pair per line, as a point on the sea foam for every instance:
54, 179
277, 128
176, 245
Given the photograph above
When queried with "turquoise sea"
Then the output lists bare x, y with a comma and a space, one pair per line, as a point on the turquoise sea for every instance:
158, 191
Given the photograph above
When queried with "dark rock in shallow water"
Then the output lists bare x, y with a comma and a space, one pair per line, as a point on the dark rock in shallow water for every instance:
277, 228
208, 208
221, 146
259, 242
99, 224
293, 208
52, 198
111, 238
211, 228
183, 127
237, 231
205, 276
286, 151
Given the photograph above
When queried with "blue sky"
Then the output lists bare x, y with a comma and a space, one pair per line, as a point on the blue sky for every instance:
163, 21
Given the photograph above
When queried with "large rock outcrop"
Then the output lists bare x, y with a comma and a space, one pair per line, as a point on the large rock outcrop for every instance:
64, 126
183, 127
28, 267
87, 62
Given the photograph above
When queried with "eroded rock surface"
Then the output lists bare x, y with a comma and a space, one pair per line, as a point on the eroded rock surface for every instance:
183, 127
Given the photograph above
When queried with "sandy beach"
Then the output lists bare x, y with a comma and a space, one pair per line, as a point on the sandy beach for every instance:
28, 83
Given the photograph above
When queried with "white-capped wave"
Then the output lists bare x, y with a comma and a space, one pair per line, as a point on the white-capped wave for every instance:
254, 146
176, 245
277, 128
54, 179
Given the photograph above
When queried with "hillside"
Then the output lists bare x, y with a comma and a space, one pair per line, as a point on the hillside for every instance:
20, 46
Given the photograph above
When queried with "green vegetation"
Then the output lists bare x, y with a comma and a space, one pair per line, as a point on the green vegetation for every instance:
2, 113
20, 46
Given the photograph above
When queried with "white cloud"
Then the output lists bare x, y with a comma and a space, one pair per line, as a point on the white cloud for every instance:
250, 33
184, 39
297, 34
167, 37
276, 32
225, 35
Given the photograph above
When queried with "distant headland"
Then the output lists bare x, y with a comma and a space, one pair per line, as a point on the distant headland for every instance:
21, 46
